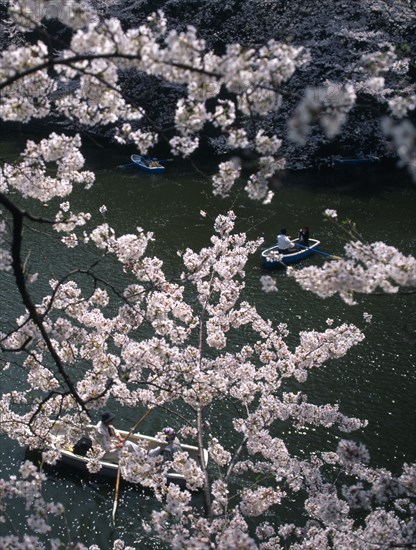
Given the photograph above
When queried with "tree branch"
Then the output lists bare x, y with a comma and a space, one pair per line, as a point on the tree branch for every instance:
16, 247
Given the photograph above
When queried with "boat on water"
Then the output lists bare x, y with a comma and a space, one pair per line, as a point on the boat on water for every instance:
69, 458
353, 161
272, 258
148, 165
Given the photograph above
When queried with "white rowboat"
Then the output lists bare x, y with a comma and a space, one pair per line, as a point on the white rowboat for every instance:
109, 468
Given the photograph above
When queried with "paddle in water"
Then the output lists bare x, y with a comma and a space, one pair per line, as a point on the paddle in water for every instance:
118, 467
331, 256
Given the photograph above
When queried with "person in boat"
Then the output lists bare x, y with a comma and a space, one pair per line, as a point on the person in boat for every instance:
172, 446
154, 163
109, 439
284, 244
304, 236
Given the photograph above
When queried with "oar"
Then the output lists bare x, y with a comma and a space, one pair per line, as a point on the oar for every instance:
133, 163
319, 252
118, 466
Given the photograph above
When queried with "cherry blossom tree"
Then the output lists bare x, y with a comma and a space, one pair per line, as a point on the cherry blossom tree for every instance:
163, 343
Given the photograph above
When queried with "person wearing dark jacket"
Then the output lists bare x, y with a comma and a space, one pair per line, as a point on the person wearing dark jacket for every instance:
304, 236
172, 446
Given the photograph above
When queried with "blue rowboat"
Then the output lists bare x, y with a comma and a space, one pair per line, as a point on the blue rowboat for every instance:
148, 165
353, 161
272, 258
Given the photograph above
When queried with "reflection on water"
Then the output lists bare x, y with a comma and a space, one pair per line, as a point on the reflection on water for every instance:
376, 380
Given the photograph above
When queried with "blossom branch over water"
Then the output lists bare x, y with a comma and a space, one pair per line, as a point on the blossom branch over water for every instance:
159, 342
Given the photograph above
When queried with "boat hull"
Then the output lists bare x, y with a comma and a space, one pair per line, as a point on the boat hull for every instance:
108, 470
269, 262
140, 163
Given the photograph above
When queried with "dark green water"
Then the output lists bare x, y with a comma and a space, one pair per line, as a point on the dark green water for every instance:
376, 380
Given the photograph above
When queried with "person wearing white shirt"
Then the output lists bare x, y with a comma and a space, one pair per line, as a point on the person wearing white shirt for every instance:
109, 439
284, 244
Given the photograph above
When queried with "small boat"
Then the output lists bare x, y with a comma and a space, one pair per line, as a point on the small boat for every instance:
353, 161
271, 257
109, 469
148, 165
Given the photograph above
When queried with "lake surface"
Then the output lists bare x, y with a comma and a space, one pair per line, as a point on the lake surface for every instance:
376, 380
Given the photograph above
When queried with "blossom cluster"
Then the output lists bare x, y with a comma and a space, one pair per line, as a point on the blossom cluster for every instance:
324, 106
28, 488
5, 256
366, 268
31, 176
